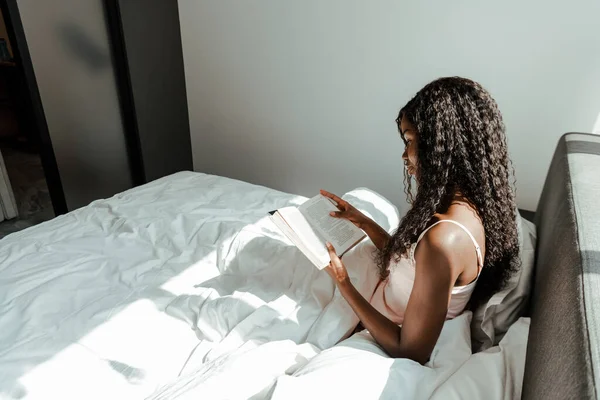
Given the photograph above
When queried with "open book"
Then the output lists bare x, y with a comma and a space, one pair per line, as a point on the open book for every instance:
309, 226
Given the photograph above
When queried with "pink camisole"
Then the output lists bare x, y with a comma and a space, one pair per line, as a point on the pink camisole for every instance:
391, 294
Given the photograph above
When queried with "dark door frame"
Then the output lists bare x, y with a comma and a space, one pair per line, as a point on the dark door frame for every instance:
16, 35
155, 118
125, 92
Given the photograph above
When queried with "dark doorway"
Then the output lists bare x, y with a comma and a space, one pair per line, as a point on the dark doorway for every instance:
29, 165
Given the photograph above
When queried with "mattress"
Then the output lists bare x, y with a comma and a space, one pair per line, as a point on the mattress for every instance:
184, 288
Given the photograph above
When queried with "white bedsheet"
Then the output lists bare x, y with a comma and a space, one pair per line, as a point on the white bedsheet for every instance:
182, 287
83, 296
357, 368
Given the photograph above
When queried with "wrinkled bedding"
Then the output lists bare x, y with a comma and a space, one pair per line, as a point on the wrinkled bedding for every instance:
184, 287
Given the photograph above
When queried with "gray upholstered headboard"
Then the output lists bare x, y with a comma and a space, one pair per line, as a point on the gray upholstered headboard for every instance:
563, 351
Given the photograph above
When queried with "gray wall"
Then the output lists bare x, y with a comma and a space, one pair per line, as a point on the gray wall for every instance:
302, 95
68, 42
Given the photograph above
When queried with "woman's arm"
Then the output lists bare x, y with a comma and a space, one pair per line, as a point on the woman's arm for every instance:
376, 233
427, 307
379, 236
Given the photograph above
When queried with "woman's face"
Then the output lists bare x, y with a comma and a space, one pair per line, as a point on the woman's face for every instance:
409, 133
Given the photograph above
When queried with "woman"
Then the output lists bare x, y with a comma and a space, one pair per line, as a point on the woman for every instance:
457, 244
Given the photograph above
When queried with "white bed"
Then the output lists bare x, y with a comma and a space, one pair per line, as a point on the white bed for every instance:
184, 288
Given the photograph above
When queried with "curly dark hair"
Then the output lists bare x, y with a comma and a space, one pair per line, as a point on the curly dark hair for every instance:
461, 148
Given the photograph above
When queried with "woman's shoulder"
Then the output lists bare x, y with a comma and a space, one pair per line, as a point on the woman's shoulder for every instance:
454, 236
460, 218
443, 234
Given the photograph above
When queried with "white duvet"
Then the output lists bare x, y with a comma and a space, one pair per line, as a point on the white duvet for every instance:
183, 288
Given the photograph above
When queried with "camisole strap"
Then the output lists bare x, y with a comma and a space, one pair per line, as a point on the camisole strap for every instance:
464, 228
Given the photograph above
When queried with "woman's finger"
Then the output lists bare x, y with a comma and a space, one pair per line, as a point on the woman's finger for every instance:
337, 214
331, 250
332, 196
335, 260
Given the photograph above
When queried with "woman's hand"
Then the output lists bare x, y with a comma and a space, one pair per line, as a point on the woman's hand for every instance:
379, 236
347, 211
336, 268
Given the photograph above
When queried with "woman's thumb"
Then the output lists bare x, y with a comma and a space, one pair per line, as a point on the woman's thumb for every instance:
330, 248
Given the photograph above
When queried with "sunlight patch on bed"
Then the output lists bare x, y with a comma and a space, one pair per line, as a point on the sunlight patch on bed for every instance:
213, 263
287, 306
116, 351
201, 271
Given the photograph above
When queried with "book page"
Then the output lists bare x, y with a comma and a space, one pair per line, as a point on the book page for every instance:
342, 233
282, 224
310, 240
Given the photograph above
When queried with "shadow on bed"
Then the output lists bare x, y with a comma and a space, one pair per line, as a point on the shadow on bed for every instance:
267, 291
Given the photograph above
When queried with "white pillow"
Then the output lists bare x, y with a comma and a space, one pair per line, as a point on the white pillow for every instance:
492, 319
496, 373
374, 206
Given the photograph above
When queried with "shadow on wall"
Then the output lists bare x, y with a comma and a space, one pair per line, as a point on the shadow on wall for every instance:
83, 47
